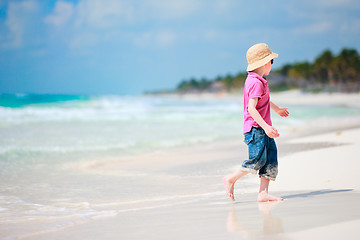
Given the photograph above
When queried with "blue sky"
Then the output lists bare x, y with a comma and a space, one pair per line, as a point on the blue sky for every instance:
128, 47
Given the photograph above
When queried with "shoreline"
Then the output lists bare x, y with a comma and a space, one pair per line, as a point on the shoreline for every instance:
325, 208
320, 203
178, 192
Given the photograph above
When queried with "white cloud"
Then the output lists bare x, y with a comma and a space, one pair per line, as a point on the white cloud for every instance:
102, 14
166, 9
165, 38
143, 39
336, 3
62, 13
88, 22
158, 39
84, 40
104, 19
226, 6
96, 14
18, 15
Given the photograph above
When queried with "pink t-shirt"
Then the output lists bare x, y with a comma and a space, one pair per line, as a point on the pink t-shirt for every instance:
256, 87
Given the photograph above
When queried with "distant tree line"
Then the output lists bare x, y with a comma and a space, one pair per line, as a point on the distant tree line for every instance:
328, 72
221, 83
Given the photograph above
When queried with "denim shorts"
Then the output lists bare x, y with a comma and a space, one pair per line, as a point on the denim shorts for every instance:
262, 154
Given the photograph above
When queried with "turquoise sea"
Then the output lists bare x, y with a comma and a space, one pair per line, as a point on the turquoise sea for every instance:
42, 135
42, 124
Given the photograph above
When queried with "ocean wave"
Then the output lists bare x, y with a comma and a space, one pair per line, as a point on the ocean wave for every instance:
114, 108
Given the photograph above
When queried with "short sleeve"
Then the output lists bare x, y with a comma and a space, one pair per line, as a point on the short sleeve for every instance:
256, 90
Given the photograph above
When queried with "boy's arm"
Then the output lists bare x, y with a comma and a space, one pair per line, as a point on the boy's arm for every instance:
283, 112
269, 130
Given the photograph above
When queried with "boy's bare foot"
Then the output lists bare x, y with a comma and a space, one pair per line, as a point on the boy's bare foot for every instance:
229, 187
265, 197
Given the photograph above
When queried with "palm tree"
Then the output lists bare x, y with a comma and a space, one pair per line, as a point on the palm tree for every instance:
323, 66
347, 65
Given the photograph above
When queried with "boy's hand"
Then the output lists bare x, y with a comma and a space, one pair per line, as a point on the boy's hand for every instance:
271, 132
283, 112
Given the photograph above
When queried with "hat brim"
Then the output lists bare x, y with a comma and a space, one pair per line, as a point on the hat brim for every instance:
261, 62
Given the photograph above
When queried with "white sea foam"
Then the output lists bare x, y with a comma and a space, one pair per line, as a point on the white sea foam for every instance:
64, 149
117, 108
64, 217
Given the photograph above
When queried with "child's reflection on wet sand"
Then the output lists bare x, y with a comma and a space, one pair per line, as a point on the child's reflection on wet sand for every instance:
272, 225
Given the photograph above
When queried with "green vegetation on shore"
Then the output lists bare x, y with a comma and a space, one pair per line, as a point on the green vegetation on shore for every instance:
328, 72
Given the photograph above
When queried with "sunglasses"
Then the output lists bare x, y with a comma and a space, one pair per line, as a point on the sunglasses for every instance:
272, 61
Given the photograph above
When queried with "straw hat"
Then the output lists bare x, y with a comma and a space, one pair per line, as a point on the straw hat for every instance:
259, 55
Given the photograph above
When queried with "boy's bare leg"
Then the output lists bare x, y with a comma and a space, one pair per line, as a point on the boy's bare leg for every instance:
263, 193
229, 182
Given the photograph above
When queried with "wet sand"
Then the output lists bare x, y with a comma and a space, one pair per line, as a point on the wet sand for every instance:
303, 215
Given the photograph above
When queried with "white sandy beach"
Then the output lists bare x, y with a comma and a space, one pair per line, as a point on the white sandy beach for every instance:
317, 178
330, 177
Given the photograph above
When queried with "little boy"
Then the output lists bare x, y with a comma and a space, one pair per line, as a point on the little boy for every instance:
258, 130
